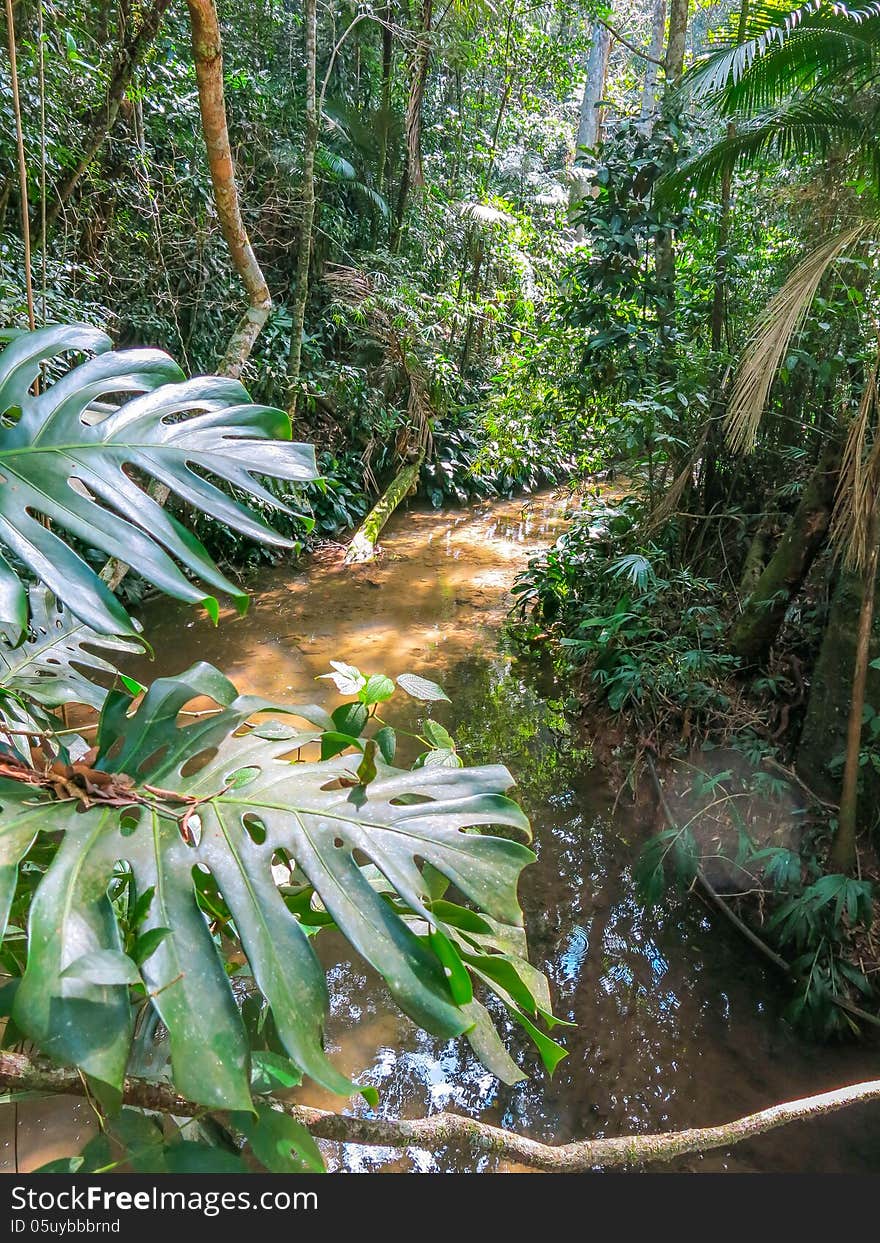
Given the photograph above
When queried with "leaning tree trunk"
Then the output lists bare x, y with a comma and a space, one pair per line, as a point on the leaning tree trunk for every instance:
363, 546
304, 252
208, 53
764, 612
589, 121
130, 55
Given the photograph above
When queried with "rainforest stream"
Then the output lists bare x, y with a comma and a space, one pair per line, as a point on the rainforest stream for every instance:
677, 1023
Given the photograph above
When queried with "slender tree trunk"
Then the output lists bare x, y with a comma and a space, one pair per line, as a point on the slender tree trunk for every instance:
655, 50
208, 54
387, 65
413, 173
22, 166
843, 853
131, 53
589, 122
304, 252
764, 612
719, 299
417, 97
664, 259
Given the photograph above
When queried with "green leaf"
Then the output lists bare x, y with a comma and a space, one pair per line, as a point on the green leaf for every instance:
270, 1072
406, 825
103, 967
489, 1047
62, 463
378, 688
438, 736
350, 718
75, 1022
366, 770
386, 741
279, 1142
54, 663
192, 1158
147, 944
441, 759
420, 688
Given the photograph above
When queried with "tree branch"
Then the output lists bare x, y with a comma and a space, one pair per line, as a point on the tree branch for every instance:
637, 51
19, 1073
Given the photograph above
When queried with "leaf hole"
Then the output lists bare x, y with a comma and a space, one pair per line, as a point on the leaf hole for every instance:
152, 760
197, 762
254, 828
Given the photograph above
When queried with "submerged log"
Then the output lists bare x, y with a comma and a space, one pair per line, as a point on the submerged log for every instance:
785, 572
363, 547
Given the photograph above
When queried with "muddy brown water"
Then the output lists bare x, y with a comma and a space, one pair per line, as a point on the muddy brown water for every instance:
678, 1024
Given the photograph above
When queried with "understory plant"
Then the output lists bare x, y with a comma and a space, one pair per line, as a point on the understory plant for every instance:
169, 858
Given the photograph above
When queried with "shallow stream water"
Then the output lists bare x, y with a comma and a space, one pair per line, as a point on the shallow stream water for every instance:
677, 1024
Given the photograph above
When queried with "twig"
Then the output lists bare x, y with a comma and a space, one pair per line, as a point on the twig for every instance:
19, 1073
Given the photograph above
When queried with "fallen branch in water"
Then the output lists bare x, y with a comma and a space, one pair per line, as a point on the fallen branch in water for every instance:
20, 1073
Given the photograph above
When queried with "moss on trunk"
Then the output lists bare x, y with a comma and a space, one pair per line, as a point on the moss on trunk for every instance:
363, 547
823, 737
764, 611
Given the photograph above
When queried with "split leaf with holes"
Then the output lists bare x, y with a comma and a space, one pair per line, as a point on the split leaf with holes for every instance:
69, 465
216, 796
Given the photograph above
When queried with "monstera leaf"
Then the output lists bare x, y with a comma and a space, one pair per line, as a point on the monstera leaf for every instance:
69, 466
54, 663
223, 799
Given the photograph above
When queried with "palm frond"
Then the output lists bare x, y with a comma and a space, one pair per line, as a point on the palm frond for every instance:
803, 127
786, 51
780, 320
859, 481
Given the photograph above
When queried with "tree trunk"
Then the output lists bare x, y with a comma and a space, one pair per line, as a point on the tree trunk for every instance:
764, 611
413, 173
22, 165
655, 50
131, 54
304, 252
363, 546
589, 122
719, 299
673, 62
664, 258
757, 556
387, 65
843, 853
208, 54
